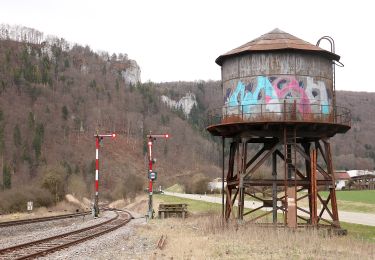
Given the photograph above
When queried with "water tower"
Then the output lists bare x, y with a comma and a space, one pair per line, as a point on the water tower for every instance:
279, 112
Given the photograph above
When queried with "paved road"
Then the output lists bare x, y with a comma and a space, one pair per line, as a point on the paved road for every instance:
350, 217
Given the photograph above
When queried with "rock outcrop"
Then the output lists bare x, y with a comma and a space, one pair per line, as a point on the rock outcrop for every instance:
132, 74
186, 103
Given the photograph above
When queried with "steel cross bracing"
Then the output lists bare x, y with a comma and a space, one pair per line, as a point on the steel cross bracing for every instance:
307, 170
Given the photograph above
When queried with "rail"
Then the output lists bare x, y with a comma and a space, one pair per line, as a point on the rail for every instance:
51, 244
280, 112
35, 220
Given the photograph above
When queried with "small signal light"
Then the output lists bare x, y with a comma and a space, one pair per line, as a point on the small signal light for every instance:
150, 143
113, 135
167, 135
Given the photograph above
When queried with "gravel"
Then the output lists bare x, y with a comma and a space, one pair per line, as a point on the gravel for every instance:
122, 243
14, 235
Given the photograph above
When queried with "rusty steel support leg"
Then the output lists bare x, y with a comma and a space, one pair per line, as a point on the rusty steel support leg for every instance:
306, 147
313, 193
274, 188
222, 177
285, 178
230, 177
335, 212
228, 203
241, 172
332, 189
241, 197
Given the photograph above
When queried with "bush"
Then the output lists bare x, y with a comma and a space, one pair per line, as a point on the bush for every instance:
53, 180
198, 184
77, 186
127, 188
15, 200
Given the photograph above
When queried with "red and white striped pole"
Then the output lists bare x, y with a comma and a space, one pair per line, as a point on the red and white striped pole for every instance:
96, 205
150, 207
98, 138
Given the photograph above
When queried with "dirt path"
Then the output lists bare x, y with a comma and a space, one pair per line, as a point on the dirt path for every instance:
350, 217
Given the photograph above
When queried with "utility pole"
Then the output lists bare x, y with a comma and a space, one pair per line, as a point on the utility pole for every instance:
98, 140
151, 175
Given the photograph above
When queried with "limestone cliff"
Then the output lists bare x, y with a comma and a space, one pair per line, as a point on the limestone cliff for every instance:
186, 103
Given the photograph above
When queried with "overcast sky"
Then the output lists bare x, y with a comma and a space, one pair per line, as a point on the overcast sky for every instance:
180, 40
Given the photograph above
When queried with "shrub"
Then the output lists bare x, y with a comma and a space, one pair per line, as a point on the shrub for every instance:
15, 200
77, 186
127, 188
197, 184
53, 180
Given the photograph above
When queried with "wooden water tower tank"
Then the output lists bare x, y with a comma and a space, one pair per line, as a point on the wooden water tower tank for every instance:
279, 106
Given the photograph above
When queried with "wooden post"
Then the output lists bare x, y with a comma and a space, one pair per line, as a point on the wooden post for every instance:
313, 188
292, 207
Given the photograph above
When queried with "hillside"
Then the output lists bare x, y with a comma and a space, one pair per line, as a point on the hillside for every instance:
356, 149
53, 100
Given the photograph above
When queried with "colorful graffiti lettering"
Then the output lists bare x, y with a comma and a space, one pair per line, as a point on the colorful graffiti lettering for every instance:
272, 92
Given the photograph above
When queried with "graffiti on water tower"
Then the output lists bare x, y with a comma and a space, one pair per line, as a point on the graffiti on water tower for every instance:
310, 96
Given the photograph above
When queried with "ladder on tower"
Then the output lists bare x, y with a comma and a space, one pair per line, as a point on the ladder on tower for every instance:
290, 154
290, 143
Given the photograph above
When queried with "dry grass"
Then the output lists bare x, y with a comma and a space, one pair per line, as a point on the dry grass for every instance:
59, 209
70, 205
204, 237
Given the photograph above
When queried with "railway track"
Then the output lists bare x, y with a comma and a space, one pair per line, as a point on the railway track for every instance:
45, 246
34, 220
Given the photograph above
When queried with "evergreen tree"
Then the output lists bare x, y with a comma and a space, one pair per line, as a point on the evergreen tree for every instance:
17, 136
31, 121
38, 140
7, 177
65, 112
117, 85
2, 136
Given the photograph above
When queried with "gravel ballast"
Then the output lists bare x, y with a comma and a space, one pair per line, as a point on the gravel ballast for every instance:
121, 243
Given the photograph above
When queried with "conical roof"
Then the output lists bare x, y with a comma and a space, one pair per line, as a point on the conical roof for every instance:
277, 40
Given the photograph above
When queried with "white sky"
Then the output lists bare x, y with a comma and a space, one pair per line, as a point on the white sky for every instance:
180, 40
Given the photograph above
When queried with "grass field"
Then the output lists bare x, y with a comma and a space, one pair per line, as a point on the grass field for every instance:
361, 232
363, 196
352, 201
204, 235
200, 207
355, 200
194, 206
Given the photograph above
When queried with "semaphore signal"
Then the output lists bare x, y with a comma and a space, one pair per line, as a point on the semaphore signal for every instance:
98, 140
151, 174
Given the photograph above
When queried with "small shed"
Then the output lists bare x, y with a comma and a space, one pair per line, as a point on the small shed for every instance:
342, 178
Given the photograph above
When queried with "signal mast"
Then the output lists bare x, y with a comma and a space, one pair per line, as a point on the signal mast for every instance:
151, 174
98, 140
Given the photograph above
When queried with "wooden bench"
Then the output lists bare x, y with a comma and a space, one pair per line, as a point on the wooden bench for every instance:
172, 210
